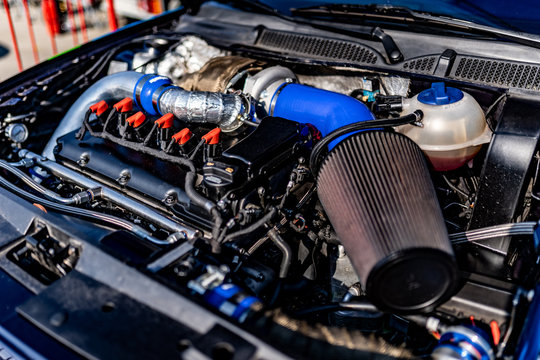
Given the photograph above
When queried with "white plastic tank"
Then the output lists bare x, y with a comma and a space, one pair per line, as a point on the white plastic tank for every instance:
454, 126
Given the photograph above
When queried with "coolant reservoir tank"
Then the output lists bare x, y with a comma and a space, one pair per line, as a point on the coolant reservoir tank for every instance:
454, 126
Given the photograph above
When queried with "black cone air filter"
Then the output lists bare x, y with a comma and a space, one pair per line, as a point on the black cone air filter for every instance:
376, 189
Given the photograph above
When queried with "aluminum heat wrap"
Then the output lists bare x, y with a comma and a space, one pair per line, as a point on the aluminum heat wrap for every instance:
224, 110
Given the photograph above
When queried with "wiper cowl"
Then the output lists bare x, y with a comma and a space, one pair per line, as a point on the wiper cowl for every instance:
393, 52
402, 14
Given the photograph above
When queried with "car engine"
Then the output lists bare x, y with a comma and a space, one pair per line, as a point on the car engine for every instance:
379, 212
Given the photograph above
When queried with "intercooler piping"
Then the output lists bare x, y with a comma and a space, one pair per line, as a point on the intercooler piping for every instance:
277, 91
326, 110
155, 95
112, 87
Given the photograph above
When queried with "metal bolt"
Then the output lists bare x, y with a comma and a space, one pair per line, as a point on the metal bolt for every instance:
84, 159
221, 204
183, 269
171, 197
125, 176
58, 318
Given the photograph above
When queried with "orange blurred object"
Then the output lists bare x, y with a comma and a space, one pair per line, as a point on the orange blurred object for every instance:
13, 36
495, 332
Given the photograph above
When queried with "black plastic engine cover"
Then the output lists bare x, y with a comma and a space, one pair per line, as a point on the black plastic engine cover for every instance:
136, 172
266, 148
110, 162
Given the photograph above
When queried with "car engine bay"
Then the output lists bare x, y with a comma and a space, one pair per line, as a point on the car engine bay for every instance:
324, 206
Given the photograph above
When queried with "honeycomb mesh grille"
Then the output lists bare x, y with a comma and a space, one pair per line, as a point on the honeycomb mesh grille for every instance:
423, 65
317, 47
501, 73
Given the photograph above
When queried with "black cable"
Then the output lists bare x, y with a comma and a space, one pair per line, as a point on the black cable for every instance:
84, 126
197, 148
381, 82
284, 198
455, 188
307, 196
363, 125
111, 115
207, 204
158, 154
51, 195
490, 109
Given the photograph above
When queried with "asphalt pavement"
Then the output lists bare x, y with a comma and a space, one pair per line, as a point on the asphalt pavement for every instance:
96, 21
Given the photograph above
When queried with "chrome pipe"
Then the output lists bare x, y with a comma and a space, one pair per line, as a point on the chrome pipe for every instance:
112, 87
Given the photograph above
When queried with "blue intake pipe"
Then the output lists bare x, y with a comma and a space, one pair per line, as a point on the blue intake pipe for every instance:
529, 342
326, 110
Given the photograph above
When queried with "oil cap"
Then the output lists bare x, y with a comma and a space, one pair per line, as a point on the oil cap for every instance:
439, 94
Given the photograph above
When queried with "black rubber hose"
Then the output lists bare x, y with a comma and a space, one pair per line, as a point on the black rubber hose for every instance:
285, 250
51, 195
206, 204
363, 125
216, 230
87, 214
251, 228
194, 196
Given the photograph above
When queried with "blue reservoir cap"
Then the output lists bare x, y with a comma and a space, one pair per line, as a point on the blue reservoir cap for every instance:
439, 94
